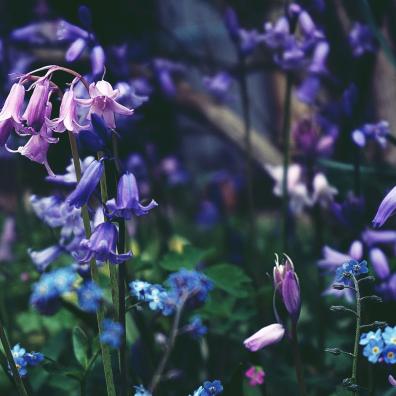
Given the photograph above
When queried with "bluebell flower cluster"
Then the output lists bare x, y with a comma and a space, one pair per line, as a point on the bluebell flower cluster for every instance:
380, 346
24, 359
192, 287
209, 388
111, 333
351, 267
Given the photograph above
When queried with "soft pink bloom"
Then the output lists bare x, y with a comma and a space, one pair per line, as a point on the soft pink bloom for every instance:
68, 119
392, 380
103, 102
10, 117
256, 375
266, 336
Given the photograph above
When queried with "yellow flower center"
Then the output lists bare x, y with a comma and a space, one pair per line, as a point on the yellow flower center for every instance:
390, 355
375, 349
393, 340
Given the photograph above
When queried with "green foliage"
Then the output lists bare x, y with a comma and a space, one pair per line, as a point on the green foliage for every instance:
80, 346
188, 259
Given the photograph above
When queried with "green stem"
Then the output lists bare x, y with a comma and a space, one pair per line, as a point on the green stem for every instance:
15, 374
286, 155
357, 334
100, 314
297, 361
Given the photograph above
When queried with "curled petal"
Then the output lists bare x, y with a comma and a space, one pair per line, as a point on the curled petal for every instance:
266, 336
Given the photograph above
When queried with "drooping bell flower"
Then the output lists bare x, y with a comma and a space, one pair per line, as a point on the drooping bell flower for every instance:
68, 119
127, 201
87, 185
386, 209
10, 117
286, 283
102, 246
379, 263
36, 110
266, 336
43, 258
98, 59
103, 102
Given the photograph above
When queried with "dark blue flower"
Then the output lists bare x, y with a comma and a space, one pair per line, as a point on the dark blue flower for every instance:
23, 359
196, 328
345, 271
87, 185
361, 40
89, 296
127, 201
141, 391
111, 333
102, 246
209, 388
377, 132
389, 354
34, 358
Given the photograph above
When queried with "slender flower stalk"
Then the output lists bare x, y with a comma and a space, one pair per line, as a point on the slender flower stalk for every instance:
15, 374
299, 367
100, 315
286, 155
357, 333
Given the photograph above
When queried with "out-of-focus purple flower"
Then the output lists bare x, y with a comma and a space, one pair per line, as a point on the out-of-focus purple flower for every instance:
218, 85
37, 108
70, 178
76, 49
323, 193
249, 40
291, 59
309, 88
67, 31
98, 59
377, 132
373, 237
380, 263
278, 36
43, 258
350, 213
103, 102
386, 209
102, 246
392, 380
68, 118
173, 170
129, 95
32, 34
361, 40
87, 185
10, 115
196, 328
7, 238
333, 259
85, 16
266, 336
208, 214
164, 69
232, 23
127, 201
256, 375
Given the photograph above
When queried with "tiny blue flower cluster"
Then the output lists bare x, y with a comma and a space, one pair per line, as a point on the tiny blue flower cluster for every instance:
196, 328
191, 286
380, 346
24, 359
111, 333
351, 267
141, 391
209, 388
52, 285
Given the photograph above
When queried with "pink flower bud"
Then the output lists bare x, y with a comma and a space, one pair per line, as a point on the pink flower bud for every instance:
266, 336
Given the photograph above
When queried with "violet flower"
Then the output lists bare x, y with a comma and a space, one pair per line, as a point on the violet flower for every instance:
102, 246
361, 40
332, 259
386, 209
392, 380
75, 50
10, 115
380, 263
87, 185
377, 132
37, 108
70, 178
98, 59
218, 85
127, 201
68, 119
373, 237
266, 336
43, 258
103, 102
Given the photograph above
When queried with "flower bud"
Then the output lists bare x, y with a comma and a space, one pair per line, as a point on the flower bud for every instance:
266, 336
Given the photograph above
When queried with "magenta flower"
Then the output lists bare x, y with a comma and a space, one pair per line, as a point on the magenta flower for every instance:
266, 336
386, 209
103, 102
10, 114
68, 119
256, 375
37, 109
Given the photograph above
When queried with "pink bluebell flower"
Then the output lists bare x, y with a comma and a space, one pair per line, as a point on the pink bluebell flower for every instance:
392, 380
103, 102
10, 115
127, 201
268, 335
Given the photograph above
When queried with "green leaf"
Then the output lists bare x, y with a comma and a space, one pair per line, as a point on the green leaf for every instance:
188, 259
80, 346
230, 278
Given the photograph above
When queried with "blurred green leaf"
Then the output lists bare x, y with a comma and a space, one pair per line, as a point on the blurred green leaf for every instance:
230, 278
188, 259
80, 346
